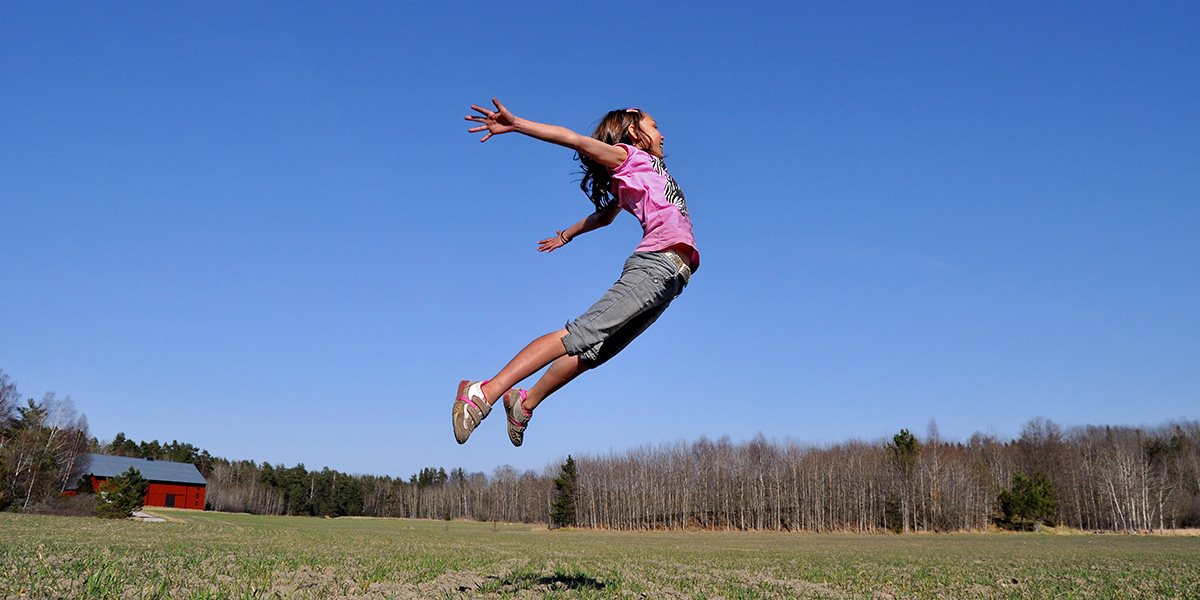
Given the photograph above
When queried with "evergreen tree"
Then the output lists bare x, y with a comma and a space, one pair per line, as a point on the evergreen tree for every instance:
903, 453
122, 495
1029, 503
893, 518
904, 450
123, 446
566, 485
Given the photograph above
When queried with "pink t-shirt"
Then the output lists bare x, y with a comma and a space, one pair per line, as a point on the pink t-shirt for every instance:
647, 191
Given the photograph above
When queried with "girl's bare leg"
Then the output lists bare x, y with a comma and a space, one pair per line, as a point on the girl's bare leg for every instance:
529, 360
560, 373
546, 350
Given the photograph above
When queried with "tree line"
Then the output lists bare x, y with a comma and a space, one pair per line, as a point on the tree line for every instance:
1098, 478
1092, 478
1101, 479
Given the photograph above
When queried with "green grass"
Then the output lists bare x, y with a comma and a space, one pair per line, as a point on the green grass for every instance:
210, 555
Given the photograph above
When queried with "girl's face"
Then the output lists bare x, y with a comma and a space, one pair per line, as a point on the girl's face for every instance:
648, 139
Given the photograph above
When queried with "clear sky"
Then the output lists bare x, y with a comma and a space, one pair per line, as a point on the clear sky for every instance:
262, 228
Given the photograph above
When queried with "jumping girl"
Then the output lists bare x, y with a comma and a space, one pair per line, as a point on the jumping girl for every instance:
622, 168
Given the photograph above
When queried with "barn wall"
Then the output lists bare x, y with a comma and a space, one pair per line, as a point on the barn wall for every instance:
186, 496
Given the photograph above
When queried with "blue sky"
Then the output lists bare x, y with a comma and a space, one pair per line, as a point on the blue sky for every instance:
262, 228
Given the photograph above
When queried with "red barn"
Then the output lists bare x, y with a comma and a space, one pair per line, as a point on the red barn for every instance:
172, 484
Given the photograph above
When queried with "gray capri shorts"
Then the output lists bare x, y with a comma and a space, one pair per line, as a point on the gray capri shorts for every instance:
648, 284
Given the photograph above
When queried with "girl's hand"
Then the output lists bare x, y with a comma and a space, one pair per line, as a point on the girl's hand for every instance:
550, 244
495, 122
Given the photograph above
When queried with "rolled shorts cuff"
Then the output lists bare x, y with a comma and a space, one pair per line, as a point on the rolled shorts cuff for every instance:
573, 340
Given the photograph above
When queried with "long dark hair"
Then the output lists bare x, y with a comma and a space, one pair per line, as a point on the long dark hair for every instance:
613, 129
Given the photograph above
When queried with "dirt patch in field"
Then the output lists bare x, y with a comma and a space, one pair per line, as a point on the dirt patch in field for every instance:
447, 584
308, 583
510, 581
800, 587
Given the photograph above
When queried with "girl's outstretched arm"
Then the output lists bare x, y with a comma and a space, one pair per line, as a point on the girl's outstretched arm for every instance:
502, 121
595, 220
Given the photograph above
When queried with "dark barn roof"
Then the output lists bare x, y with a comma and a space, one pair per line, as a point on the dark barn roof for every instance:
161, 471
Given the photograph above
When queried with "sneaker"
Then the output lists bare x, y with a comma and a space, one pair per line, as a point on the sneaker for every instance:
517, 419
470, 407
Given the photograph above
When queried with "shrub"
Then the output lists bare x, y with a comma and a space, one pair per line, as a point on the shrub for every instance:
122, 495
78, 505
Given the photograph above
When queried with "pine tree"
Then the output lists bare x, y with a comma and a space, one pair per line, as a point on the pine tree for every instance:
893, 518
903, 453
1029, 503
566, 485
122, 495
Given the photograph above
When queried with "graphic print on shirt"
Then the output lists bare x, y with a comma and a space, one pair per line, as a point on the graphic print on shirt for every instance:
673, 193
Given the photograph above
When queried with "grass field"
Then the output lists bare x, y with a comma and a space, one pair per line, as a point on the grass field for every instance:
214, 555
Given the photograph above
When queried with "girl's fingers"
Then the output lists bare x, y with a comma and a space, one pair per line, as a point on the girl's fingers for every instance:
488, 116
